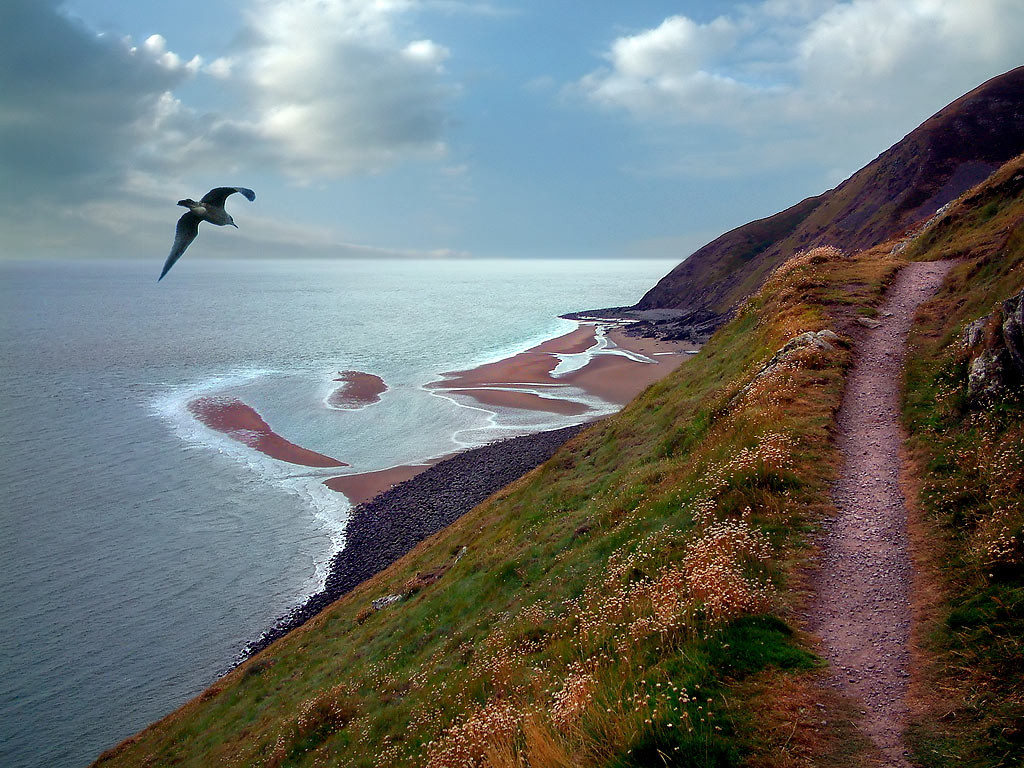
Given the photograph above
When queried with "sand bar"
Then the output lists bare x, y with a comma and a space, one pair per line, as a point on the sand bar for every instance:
612, 377
364, 486
505, 398
358, 390
238, 421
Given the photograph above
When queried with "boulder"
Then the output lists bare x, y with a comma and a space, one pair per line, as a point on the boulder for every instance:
1013, 330
987, 378
974, 333
1000, 363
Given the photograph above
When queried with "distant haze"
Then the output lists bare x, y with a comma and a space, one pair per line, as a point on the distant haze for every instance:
455, 128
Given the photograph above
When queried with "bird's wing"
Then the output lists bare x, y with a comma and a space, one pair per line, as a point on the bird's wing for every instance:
184, 234
218, 195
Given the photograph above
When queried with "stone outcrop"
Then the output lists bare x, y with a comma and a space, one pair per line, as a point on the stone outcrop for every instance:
996, 343
824, 340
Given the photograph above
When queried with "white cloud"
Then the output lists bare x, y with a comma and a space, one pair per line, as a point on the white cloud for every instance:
221, 67
332, 88
314, 90
836, 75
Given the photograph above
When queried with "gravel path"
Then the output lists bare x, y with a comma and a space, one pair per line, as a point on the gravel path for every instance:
862, 605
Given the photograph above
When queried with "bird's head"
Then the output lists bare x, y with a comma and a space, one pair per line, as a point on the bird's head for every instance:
187, 202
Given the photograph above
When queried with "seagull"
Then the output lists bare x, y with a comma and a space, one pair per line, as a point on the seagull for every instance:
211, 209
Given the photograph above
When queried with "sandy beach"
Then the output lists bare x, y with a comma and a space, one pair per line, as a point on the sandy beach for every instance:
615, 367
605, 362
362, 487
357, 390
242, 423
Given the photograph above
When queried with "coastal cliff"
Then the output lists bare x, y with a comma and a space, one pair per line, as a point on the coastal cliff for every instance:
950, 152
644, 596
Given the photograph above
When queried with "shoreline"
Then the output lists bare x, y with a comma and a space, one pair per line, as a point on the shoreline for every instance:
382, 530
396, 508
617, 369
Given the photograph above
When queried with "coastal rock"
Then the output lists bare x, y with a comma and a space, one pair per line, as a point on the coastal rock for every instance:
974, 333
1000, 364
385, 602
823, 340
987, 377
1013, 330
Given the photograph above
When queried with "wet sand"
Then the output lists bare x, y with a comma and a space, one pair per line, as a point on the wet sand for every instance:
364, 486
358, 390
611, 377
614, 378
238, 421
618, 379
505, 398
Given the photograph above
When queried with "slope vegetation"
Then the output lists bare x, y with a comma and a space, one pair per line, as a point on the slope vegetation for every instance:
634, 601
629, 602
970, 454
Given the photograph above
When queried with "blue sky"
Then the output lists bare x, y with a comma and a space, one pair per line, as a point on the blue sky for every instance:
460, 128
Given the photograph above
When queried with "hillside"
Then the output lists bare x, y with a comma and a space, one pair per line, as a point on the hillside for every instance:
635, 600
950, 152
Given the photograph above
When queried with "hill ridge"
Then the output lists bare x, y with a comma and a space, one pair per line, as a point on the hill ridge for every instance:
950, 152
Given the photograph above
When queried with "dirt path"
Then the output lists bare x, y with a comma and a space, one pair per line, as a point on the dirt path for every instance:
862, 608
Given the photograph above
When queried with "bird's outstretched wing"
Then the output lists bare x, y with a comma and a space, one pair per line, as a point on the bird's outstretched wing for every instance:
184, 234
218, 195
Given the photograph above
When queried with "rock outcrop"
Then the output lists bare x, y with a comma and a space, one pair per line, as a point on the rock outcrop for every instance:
996, 342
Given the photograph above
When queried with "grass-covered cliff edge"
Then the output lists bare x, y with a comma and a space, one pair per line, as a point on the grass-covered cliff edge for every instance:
635, 600
967, 447
632, 601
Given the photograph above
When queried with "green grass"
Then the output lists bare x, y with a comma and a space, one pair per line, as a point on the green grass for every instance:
576, 575
972, 460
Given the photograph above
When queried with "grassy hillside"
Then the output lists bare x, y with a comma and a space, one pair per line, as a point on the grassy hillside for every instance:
632, 601
972, 458
627, 603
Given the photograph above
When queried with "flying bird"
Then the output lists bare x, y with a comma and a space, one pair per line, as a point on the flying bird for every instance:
211, 209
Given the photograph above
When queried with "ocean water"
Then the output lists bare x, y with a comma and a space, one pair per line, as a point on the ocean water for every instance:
141, 550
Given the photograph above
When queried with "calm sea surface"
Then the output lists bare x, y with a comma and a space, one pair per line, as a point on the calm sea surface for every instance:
139, 550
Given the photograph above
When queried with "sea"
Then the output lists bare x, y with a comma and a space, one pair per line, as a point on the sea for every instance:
139, 550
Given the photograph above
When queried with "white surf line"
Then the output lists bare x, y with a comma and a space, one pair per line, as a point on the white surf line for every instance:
571, 362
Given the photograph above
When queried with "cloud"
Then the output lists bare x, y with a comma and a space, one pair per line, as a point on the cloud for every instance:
316, 90
72, 100
333, 89
821, 77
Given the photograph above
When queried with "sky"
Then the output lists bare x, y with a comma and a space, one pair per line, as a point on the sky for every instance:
459, 128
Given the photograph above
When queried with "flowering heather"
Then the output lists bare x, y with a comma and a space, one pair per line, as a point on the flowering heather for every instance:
572, 700
715, 565
467, 743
